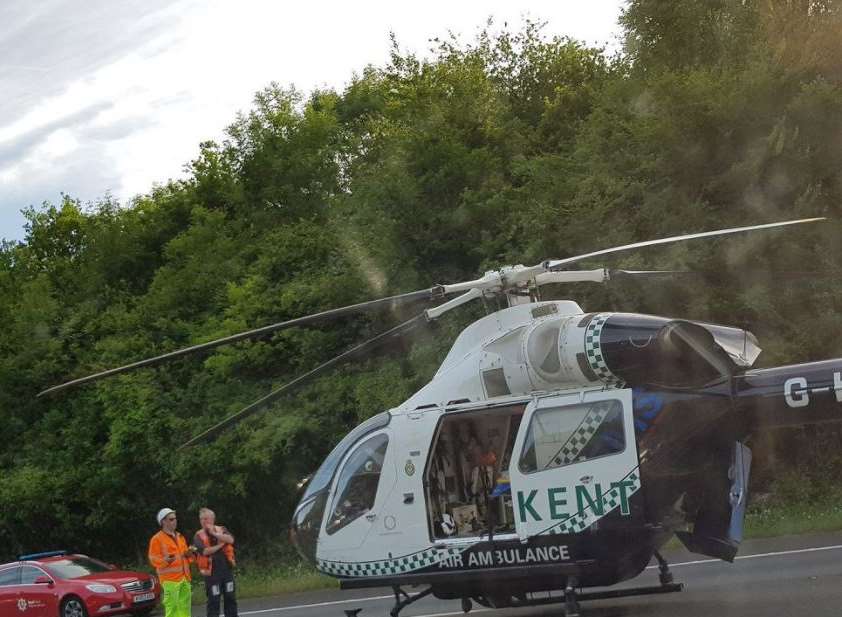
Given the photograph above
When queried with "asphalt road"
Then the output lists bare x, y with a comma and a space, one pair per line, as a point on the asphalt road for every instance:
794, 575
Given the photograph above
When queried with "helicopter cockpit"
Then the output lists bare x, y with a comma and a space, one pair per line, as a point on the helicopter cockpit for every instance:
356, 487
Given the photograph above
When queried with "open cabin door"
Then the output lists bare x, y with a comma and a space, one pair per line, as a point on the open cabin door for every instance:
575, 465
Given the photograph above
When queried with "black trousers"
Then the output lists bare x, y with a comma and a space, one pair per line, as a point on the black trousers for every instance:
218, 589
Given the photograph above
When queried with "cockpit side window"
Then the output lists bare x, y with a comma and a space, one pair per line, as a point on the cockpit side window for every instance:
356, 488
323, 477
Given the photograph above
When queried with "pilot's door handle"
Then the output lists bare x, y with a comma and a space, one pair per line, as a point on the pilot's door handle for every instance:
370, 517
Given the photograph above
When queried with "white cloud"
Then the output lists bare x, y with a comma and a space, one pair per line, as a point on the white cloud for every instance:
195, 64
57, 145
10, 174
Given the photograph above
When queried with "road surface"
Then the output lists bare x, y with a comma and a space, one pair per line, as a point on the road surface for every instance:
794, 575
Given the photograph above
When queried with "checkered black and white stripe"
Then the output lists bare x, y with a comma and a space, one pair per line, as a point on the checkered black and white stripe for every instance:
593, 350
398, 565
581, 437
584, 518
576, 523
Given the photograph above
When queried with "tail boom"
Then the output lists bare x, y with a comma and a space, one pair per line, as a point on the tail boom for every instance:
792, 395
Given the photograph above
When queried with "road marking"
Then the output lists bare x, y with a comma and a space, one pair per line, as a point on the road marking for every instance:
478, 610
290, 608
286, 608
475, 610
774, 554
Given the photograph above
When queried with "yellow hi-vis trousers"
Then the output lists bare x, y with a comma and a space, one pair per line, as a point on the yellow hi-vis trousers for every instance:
176, 598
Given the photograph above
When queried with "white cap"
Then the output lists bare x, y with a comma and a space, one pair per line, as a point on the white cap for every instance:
164, 512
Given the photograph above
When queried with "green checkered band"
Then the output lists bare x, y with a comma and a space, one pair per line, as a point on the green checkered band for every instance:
398, 565
580, 437
584, 518
593, 350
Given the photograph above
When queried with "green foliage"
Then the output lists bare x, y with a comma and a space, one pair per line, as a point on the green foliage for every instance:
511, 148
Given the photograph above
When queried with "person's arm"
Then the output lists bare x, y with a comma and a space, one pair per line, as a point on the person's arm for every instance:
189, 552
224, 536
157, 554
212, 549
207, 551
200, 546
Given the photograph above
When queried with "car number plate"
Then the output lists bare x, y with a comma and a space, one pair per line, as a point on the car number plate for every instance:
144, 597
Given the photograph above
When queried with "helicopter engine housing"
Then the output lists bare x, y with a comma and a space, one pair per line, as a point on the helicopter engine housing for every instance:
548, 346
615, 349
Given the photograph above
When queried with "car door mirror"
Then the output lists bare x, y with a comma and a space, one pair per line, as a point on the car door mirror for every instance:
43, 580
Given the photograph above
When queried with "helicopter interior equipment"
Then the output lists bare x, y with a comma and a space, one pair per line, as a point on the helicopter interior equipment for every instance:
554, 450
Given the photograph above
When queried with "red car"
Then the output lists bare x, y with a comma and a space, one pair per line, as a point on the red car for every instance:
58, 584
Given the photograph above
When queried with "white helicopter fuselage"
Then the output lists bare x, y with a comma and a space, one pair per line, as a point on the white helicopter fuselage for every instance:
507, 367
503, 353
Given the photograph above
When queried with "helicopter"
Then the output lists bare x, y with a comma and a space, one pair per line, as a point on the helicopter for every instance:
554, 450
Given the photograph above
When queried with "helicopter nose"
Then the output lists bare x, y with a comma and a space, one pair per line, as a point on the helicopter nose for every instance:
305, 525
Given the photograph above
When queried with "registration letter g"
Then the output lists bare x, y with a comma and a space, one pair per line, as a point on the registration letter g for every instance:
795, 392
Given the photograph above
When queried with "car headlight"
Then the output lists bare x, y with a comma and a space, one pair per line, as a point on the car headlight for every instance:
101, 588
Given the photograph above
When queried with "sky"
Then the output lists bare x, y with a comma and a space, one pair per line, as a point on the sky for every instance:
112, 96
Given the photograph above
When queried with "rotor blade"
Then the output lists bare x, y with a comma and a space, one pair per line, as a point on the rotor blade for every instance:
623, 274
604, 275
739, 273
555, 264
299, 321
600, 275
259, 404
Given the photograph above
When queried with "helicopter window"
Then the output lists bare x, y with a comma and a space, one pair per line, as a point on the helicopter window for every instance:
566, 435
323, 477
356, 488
306, 522
542, 349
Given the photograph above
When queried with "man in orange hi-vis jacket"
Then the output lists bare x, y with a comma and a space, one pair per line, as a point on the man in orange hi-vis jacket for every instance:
215, 558
171, 558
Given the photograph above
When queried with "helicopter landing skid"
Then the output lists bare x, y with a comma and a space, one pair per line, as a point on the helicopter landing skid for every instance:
401, 604
572, 599
664, 574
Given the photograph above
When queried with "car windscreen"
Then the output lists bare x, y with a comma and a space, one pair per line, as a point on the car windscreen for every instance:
75, 567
